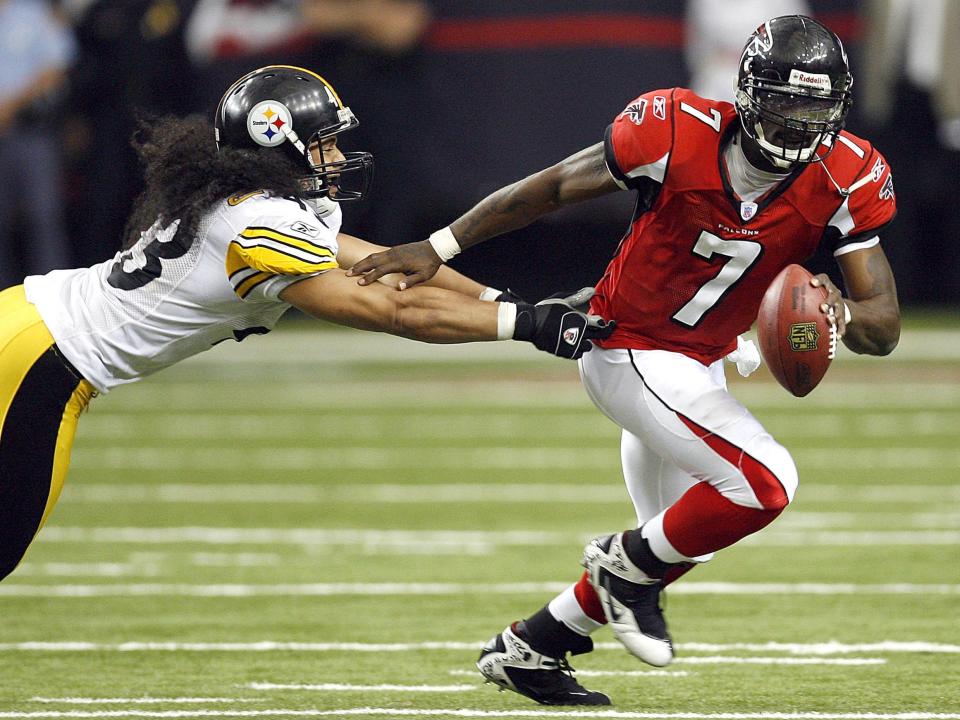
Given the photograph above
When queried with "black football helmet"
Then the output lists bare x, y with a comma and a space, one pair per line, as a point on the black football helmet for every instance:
793, 89
288, 108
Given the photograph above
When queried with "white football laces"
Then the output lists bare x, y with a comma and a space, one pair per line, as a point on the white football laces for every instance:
834, 335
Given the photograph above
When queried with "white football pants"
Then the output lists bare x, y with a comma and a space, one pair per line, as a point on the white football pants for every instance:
680, 427
665, 403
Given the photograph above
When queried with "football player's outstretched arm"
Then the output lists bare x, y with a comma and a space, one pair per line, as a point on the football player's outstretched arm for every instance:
437, 315
429, 314
582, 176
874, 326
353, 249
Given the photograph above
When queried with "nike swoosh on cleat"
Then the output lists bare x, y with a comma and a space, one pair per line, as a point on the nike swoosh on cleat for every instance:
615, 614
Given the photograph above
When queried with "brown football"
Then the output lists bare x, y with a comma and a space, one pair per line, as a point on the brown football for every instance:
796, 339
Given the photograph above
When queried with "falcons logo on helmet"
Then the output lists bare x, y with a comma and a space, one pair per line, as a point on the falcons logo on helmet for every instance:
762, 41
636, 112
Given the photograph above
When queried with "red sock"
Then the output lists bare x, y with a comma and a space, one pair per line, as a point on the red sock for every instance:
589, 602
703, 521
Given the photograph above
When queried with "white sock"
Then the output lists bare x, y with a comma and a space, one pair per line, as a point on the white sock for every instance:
565, 608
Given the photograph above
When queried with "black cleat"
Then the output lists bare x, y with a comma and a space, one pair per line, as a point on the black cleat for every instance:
511, 663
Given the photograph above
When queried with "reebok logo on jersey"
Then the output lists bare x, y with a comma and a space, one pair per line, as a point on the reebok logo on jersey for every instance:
659, 107
876, 172
636, 112
302, 227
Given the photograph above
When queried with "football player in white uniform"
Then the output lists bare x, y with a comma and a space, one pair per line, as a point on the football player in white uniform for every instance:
239, 221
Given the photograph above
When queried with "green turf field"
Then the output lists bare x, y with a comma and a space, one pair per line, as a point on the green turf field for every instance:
321, 523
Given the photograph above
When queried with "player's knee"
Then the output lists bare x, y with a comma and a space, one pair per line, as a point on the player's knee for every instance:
782, 487
774, 480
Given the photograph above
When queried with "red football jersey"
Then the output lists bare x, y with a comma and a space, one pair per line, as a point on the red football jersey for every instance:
693, 267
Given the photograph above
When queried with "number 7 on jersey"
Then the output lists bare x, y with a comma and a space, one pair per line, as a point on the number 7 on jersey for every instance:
742, 253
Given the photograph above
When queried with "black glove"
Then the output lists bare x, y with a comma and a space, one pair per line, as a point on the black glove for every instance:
554, 326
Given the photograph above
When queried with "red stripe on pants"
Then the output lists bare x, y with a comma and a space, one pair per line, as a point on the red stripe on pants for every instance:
763, 482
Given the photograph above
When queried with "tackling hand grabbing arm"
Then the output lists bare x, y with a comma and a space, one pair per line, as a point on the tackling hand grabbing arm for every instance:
581, 176
437, 315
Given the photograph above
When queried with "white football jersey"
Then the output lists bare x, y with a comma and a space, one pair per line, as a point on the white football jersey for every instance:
171, 296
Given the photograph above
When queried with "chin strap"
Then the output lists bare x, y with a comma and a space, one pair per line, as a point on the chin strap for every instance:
846, 192
293, 138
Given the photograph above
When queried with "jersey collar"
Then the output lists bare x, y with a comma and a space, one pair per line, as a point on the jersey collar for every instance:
763, 201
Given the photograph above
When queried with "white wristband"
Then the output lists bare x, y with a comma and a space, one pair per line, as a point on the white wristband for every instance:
444, 243
847, 315
506, 321
490, 294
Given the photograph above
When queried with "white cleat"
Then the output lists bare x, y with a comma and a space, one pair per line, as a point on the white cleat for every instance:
630, 600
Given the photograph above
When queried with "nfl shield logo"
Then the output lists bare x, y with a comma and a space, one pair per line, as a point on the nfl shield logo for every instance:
748, 210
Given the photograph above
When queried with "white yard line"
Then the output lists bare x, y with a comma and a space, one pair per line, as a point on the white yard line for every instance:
409, 712
851, 538
346, 687
374, 457
239, 590
173, 424
899, 494
106, 570
372, 541
601, 673
730, 660
385, 493
456, 493
301, 536
140, 700
177, 425
279, 394
828, 648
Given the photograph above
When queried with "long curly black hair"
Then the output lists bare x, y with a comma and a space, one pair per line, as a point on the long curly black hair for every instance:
185, 174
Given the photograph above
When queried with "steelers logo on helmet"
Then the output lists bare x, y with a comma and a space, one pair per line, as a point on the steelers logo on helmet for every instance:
268, 123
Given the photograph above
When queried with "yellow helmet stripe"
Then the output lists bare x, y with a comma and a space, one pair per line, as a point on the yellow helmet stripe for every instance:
313, 74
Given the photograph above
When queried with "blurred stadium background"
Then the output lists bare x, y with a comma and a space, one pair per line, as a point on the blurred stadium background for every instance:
459, 97
325, 523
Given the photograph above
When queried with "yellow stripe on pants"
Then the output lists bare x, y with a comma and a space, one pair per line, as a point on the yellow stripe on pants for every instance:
24, 342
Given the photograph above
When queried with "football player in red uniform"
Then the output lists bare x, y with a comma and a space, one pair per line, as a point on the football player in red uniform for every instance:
728, 195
